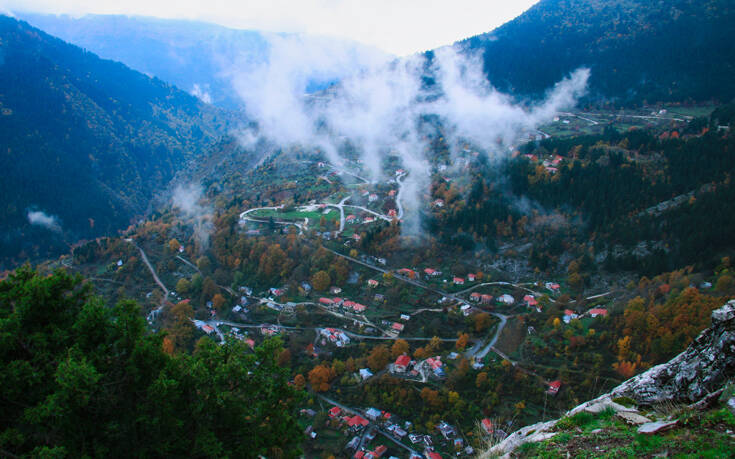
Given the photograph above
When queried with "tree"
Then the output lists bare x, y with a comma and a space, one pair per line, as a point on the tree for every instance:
299, 381
319, 378
482, 321
174, 245
378, 358
183, 286
400, 347
218, 301
462, 341
321, 281
96, 370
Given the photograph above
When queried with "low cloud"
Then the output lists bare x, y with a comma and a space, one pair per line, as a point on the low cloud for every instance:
40, 218
201, 93
392, 108
188, 200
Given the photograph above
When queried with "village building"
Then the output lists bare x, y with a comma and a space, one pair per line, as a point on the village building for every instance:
373, 413
471, 277
432, 272
458, 281
487, 426
365, 373
475, 296
553, 286
402, 363
506, 299
335, 290
372, 283
595, 312
554, 387
569, 315
398, 327
486, 299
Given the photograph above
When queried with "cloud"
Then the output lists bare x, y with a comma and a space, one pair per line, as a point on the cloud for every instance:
40, 218
188, 200
392, 108
202, 94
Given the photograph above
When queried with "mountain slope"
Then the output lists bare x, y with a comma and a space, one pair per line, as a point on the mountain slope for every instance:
86, 140
199, 57
638, 50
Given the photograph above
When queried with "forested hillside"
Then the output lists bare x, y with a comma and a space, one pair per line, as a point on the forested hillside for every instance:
638, 50
86, 141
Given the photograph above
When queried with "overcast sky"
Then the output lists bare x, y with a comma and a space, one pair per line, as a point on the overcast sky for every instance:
397, 26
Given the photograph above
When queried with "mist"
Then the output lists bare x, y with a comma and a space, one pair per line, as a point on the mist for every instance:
40, 218
187, 199
382, 108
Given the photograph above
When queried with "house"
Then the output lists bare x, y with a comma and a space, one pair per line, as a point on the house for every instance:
359, 455
356, 237
337, 301
433, 455
471, 277
372, 283
373, 413
237, 309
392, 193
379, 451
277, 291
569, 315
487, 426
439, 203
207, 329
350, 219
431, 272
405, 317
531, 302
326, 301
553, 286
397, 327
335, 290
594, 312
475, 297
334, 412
392, 213
250, 342
506, 299
354, 443
486, 299
368, 219
357, 422
373, 197
365, 373
402, 363
411, 274
446, 430
554, 387
466, 309
458, 281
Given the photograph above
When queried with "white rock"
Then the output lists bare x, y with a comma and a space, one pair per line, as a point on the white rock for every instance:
656, 427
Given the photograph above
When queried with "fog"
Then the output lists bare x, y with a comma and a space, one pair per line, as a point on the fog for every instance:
379, 109
188, 200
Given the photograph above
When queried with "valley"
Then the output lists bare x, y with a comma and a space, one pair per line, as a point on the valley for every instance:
310, 248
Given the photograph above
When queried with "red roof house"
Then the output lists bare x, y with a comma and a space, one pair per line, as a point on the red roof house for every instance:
402, 363
487, 425
554, 387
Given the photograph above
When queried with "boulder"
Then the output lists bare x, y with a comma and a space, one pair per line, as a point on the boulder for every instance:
701, 369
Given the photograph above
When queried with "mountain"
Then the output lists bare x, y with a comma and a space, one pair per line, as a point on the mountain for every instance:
86, 142
638, 50
199, 57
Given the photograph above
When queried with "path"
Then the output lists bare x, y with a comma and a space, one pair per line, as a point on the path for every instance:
155, 311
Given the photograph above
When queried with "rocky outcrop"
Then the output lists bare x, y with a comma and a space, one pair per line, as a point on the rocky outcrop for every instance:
689, 377
701, 369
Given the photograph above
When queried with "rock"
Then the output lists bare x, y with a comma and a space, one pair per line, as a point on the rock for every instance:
633, 418
656, 427
701, 369
604, 404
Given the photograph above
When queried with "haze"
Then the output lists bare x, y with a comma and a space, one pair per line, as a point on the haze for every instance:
398, 27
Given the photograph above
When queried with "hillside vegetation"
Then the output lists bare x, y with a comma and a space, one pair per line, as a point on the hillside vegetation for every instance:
86, 140
638, 50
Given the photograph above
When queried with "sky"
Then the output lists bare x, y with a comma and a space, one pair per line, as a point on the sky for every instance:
399, 27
